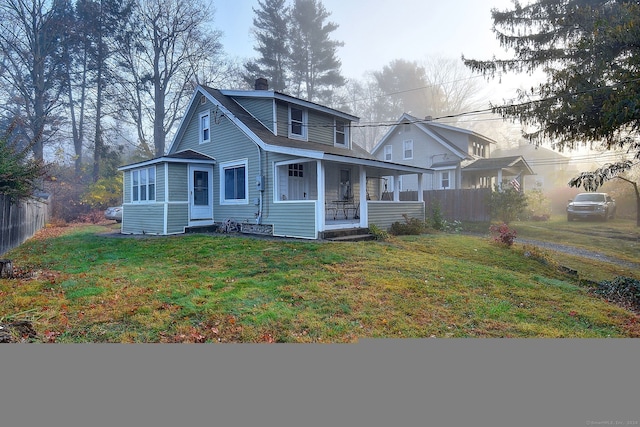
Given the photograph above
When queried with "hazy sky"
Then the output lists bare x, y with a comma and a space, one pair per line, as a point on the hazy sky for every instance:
375, 32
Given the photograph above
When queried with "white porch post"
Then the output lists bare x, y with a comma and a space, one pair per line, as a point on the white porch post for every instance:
363, 197
420, 187
396, 187
499, 183
320, 207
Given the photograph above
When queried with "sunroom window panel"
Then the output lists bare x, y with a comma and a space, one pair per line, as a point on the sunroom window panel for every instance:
143, 185
135, 186
152, 183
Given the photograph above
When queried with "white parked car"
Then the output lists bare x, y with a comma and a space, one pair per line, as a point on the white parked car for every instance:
591, 205
114, 213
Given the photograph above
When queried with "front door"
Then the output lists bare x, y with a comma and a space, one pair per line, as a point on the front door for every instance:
201, 192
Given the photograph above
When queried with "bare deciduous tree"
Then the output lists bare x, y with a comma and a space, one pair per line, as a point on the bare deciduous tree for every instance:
31, 64
167, 42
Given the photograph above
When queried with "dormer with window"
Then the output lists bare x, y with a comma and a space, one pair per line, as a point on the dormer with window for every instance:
478, 149
341, 133
294, 118
298, 123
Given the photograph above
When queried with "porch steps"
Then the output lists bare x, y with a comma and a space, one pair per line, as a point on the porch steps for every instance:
350, 235
201, 229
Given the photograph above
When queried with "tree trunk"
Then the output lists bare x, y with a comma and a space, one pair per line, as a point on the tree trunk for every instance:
6, 269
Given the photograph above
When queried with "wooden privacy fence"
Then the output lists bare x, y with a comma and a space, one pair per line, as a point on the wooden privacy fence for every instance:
21, 220
469, 204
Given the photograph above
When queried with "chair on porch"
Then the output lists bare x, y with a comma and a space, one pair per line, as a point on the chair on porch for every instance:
331, 211
356, 210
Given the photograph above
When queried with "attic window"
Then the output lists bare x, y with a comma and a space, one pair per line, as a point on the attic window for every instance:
205, 127
203, 99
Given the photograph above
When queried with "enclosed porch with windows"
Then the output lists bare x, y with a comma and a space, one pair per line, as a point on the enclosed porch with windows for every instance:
342, 193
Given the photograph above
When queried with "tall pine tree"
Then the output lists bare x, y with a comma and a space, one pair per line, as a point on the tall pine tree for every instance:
270, 30
314, 65
590, 52
297, 54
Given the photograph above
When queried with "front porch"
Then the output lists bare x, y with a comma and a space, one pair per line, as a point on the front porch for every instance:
342, 194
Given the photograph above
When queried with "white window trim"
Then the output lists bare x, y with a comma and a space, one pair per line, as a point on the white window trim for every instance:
155, 185
404, 149
277, 197
229, 165
345, 132
305, 124
202, 128
388, 148
451, 176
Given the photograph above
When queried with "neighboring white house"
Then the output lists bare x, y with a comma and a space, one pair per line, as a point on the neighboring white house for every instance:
458, 158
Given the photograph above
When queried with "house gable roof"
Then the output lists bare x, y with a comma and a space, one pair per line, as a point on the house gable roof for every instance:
268, 141
427, 128
268, 94
186, 156
491, 164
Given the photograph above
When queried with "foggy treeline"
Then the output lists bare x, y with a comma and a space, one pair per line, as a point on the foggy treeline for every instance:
95, 83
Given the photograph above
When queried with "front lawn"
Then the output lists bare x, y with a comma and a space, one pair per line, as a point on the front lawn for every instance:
82, 285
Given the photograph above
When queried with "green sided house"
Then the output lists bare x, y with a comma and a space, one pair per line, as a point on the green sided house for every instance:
272, 163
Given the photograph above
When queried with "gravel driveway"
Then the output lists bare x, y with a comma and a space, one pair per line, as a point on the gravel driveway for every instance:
571, 250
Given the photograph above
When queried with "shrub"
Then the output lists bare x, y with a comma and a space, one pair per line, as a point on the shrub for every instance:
503, 234
378, 232
538, 205
411, 226
19, 173
507, 205
451, 226
104, 193
437, 220
92, 217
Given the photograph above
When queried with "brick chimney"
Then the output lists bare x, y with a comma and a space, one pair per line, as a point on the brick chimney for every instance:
261, 84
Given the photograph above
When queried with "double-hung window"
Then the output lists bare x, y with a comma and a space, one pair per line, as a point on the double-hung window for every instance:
297, 123
234, 183
205, 127
341, 136
387, 153
444, 180
407, 146
143, 185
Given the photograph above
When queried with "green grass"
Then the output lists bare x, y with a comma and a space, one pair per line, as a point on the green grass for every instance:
83, 286
619, 238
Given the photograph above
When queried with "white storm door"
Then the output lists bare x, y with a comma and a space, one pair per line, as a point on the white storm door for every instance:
201, 192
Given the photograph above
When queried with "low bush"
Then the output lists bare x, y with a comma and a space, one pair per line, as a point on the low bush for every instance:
378, 232
410, 227
94, 216
503, 234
